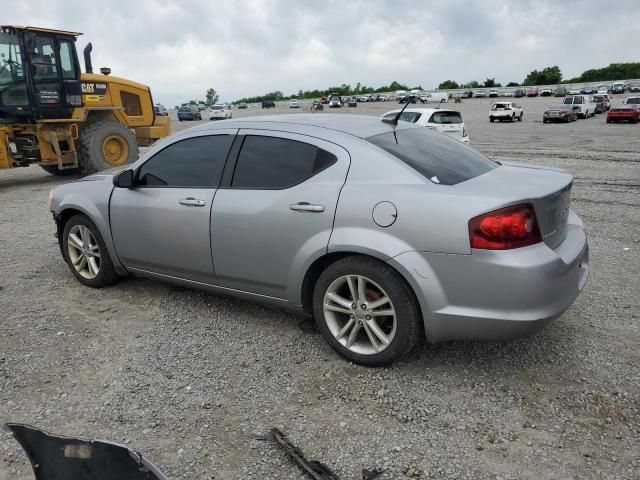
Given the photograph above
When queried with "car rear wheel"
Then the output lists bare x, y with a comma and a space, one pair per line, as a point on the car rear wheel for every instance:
520, 117
513, 117
86, 254
365, 311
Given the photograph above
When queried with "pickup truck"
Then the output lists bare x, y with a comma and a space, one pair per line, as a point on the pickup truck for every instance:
506, 111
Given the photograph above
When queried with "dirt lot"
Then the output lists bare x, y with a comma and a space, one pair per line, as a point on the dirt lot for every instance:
194, 380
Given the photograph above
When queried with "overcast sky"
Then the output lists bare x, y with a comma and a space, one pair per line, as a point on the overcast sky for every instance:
246, 48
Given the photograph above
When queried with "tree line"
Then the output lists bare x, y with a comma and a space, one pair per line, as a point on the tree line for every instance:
553, 75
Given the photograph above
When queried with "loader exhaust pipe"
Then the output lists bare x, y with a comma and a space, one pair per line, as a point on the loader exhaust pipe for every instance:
87, 58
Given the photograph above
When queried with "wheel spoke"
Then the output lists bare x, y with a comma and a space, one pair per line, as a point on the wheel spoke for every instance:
362, 289
78, 259
75, 241
383, 313
353, 335
372, 339
352, 289
93, 266
334, 297
378, 303
83, 234
82, 265
336, 308
375, 328
94, 251
345, 329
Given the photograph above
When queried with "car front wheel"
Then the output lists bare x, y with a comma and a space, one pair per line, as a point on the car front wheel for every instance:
86, 254
365, 311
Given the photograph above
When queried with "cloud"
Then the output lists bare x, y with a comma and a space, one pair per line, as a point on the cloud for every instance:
244, 48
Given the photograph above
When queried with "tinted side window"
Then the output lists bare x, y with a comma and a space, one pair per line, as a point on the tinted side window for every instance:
193, 162
277, 163
437, 157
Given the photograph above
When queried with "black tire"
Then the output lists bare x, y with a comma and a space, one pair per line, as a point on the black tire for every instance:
106, 273
545, 121
513, 118
491, 119
90, 145
520, 116
54, 170
408, 319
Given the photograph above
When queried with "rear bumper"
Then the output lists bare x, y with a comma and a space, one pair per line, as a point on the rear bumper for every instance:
497, 295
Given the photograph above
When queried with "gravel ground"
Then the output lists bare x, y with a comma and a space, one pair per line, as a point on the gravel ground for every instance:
193, 380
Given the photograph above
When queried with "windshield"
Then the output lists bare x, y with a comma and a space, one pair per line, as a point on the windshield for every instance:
633, 100
10, 60
434, 155
446, 118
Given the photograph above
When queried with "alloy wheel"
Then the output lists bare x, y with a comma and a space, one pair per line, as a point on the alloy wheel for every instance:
359, 314
84, 251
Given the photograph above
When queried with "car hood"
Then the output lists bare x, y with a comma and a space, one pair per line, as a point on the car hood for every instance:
104, 174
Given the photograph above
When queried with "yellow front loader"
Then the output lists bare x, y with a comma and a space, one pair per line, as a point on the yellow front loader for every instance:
64, 120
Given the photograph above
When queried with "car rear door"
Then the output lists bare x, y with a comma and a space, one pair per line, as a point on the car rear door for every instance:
161, 225
275, 213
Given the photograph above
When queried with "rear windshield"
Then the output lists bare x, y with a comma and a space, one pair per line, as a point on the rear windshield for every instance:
411, 117
434, 155
498, 106
633, 100
446, 117
185, 109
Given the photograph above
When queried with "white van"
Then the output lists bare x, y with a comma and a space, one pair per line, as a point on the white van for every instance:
583, 105
448, 122
434, 97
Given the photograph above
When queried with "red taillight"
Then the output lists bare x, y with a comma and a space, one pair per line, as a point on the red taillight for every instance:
504, 229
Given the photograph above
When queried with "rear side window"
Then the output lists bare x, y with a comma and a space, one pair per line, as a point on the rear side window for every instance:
439, 158
193, 162
446, 117
277, 163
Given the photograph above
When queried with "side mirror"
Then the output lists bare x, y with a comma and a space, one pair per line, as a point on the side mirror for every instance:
124, 179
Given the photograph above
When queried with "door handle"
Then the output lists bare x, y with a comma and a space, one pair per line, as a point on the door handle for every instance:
306, 207
193, 202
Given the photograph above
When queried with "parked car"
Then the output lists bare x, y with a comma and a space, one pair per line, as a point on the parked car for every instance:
617, 87
220, 112
631, 101
317, 106
408, 98
583, 105
532, 92
353, 102
506, 111
202, 106
160, 111
294, 103
559, 113
634, 87
602, 103
242, 106
364, 97
560, 92
189, 112
334, 223
374, 97
574, 91
519, 92
603, 89
467, 94
588, 90
624, 113
444, 121
383, 97
335, 101
493, 93
506, 93
546, 92
268, 104
479, 94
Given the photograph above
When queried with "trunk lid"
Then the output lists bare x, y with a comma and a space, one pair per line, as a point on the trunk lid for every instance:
548, 189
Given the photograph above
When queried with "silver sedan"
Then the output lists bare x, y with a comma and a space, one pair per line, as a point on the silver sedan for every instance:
384, 233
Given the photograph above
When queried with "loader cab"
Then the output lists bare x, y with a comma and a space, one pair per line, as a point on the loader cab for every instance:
39, 73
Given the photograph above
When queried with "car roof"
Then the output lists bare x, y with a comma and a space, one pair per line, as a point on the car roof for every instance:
356, 125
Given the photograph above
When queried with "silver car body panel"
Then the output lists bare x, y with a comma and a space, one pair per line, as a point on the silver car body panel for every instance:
262, 250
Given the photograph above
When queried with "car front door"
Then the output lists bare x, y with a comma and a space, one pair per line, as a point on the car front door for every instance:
277, 211
161, 225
